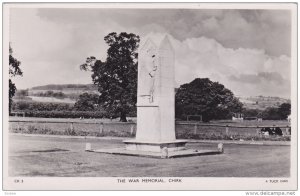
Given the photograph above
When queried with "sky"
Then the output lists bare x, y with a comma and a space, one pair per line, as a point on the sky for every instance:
249, 51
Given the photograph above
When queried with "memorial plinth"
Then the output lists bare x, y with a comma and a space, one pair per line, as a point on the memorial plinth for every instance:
152, 146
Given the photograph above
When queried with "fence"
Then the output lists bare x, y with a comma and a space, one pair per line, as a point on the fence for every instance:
18, 114
221, 131
73, 128
128, 129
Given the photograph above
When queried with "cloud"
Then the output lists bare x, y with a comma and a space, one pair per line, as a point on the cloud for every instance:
245, 78
246, 72
233, 47
261, 77
269, 30
51, 52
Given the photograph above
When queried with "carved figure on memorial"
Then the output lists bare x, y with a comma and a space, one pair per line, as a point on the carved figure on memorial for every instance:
152, 75
147, 72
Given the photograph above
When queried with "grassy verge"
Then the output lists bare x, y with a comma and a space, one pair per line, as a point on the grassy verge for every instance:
236, 137
209, 135
68, 131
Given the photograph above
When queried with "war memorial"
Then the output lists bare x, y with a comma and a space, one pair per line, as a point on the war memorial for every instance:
155, 136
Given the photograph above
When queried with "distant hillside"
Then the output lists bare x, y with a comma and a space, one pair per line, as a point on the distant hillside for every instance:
262, 102
67, 89
60, 87
63, 93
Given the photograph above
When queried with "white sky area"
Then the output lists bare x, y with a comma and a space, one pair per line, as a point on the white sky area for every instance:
246, 50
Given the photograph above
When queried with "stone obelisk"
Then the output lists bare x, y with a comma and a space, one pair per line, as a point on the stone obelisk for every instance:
156, 100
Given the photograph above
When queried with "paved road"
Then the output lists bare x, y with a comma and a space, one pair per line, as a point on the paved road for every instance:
48, 156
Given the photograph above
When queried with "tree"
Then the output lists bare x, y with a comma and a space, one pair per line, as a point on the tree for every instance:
204, 97
274, 113
252, 112
116, 78
86, 102
22, 93
14, 70
284, 110
271, 113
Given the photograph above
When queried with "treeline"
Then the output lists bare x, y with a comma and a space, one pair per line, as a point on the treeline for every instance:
23, 94
270, 113
62, 110
88, 109
58, 95
67, 114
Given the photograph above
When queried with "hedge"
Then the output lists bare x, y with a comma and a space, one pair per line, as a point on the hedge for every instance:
67, 114
39, 106
72, 114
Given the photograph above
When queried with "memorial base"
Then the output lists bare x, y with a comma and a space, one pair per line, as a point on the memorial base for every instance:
170, 149
148, 146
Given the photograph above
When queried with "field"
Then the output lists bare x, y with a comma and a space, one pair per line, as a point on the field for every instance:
43, 99
216, 130
51, 99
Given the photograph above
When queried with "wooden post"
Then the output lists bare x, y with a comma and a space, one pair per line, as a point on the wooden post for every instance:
164, 153
220, 147
131, 129
101, 127
88, 147
287, 131
195, 129
257, 130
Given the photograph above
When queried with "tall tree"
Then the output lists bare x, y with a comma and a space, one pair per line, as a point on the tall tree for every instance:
116, 78
204, 97
14, 70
